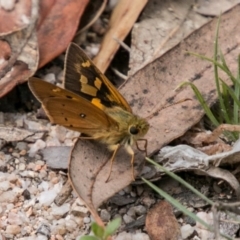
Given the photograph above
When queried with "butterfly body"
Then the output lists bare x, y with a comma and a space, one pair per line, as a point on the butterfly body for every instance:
130, 127
90, 104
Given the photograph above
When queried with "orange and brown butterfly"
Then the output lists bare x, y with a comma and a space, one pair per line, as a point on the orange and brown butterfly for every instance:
90, 104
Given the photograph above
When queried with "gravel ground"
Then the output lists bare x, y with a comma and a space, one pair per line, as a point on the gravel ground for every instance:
28, 188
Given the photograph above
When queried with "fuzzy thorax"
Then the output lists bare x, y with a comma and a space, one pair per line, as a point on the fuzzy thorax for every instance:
129, 128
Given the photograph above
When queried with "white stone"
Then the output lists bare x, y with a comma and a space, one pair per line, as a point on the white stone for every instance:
86, 219
8, 196
186, 231
37, 126
50, 77
21, 166
61, 210
4, 186
127, 219
43, 186
52, 142
30, 174
14, 219
132, 236
39, 144
13, 229
105, 215
58, 132
68, 142
71, 225
140, 210
8, 5
47, 197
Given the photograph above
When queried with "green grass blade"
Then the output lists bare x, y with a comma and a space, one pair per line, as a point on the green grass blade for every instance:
203, 103
177, 178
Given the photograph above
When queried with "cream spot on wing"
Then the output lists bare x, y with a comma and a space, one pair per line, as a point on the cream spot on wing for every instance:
83, 79
86, 64
98, 83
56, 90
90, 90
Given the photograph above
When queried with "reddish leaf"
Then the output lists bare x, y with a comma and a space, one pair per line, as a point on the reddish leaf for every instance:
19, 54
58, 27
16, 18
161, 222
58, 23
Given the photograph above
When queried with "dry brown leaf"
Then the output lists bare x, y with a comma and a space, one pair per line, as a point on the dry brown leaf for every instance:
58, 27
19, 46
152, 89
89, 167
161, 222
123, 17
213, 8
20, 53
163, 24
226, 176
15, 18
209, 142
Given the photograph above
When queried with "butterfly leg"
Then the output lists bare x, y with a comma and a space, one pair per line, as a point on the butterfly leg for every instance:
132, 164
131, 152
114, 148
145, 146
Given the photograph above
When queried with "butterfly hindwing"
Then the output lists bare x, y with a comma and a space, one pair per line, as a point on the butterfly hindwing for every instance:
68, 109
85, 79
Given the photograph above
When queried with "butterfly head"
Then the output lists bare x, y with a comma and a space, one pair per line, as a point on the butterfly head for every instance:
137, 129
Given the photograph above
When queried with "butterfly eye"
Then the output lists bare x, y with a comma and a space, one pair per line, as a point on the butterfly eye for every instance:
133, 130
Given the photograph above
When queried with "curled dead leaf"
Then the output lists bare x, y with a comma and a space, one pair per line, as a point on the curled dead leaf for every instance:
89, 167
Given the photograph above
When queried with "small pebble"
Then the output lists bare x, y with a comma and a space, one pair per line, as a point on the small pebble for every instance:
23, 152
128, 189
39, 144
105, 215
21, 167
7, 5
86, 219
140, 210
59, 212
132, 236
133, 194
21, 146
13, 229
50, 77
186, 231
121, 193
127, 219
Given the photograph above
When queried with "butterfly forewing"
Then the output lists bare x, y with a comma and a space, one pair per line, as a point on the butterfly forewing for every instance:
68, 109
85, 79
